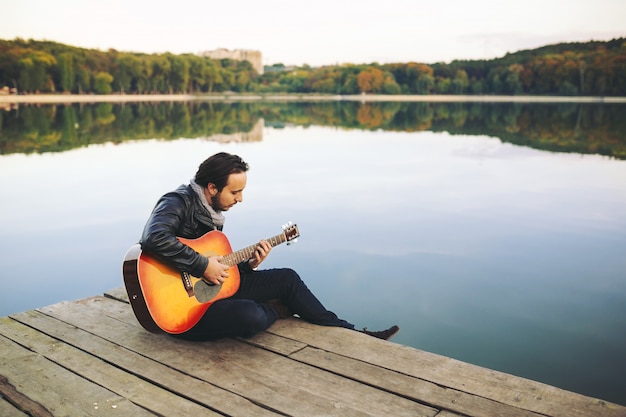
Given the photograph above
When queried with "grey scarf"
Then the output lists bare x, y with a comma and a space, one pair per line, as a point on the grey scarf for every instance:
216, 215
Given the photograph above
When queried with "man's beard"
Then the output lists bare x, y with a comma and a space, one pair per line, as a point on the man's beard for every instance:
215, 203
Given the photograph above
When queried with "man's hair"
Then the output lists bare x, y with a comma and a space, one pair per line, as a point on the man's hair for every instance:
216, 169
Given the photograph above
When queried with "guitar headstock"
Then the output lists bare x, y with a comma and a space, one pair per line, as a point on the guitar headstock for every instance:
291, 233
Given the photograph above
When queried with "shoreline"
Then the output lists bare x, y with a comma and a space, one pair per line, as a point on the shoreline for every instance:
229, 97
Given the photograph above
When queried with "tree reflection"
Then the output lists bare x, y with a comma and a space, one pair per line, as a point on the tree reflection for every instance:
569, 127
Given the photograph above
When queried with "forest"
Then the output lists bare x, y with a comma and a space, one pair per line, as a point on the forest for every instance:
595, 68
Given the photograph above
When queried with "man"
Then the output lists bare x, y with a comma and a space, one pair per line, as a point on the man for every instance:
264, 295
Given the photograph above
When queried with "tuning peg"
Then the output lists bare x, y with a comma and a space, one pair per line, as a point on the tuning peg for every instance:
287, 225
292, 242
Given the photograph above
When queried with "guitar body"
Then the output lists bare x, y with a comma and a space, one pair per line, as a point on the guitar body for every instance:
157, 293
166, 300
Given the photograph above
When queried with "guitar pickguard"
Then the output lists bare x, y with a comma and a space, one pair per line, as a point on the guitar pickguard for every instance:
205, 292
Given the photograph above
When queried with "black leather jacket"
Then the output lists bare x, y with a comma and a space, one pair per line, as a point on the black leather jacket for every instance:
178, 213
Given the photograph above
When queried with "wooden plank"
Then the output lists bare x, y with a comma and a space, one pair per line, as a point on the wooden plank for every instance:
167, 390
446, 413
102, 373
508, 389
118, 293
332, 388
274, 343
391, 381
8, 410
504, 388
56, 389
429, 393
19, 402
293, 369
404, 385
269, 379
201, 360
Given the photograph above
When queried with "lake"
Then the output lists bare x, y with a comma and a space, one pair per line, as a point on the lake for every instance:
491, 233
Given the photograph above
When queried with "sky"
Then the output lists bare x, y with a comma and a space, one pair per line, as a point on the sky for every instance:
323, 32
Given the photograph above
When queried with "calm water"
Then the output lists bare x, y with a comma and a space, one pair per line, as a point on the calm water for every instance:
505, 248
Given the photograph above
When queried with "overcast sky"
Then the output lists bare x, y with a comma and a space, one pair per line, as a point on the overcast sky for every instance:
321, 32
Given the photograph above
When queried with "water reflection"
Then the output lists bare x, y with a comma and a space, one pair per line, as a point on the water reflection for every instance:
568, 127
483, 250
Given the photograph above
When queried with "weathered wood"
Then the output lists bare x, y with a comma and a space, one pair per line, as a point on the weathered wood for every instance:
463, 377
410, 387
391, 381
55, 388
147, 394
9, 410
91, 357
445, 413
92, 367
19, 402
266, 378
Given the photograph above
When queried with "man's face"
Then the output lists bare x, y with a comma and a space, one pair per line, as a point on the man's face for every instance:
231, 194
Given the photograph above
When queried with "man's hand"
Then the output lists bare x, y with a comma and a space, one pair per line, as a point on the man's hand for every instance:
216, 272
261, 252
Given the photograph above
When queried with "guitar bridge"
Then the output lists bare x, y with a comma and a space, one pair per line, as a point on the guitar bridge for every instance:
186, 278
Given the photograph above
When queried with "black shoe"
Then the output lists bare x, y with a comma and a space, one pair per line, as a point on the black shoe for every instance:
383, 334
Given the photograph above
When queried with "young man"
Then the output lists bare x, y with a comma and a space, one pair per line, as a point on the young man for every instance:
264, 295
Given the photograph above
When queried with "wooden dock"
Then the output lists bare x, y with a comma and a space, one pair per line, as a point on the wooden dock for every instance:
91, 358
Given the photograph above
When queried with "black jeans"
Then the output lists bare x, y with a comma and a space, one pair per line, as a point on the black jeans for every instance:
245, 313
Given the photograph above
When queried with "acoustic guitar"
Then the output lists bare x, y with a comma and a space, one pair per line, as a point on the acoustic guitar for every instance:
167, 300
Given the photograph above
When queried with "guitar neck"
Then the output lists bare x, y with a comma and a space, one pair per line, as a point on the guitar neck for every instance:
244, 254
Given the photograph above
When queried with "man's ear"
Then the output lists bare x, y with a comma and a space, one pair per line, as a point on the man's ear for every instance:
212, 189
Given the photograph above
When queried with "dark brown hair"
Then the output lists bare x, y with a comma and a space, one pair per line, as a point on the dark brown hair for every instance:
216, 169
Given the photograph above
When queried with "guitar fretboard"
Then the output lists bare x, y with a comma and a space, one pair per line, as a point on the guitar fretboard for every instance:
246, 253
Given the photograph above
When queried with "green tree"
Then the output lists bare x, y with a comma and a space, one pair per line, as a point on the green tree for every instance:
443, 85
512, 83
143, 80
83, 80
197, 73
568, 89
212, 75
179, 74
161, 68
242, 81
66, 69
102, 83
390, 86
34, 71
127, 69
460, 82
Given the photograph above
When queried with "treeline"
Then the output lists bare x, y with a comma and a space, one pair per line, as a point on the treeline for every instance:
571, 69
49, 67
569, 127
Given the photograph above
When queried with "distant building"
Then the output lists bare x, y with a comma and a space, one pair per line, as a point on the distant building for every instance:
254, 135
254, 57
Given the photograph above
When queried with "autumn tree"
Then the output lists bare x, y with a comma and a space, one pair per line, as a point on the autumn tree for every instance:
370, 80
